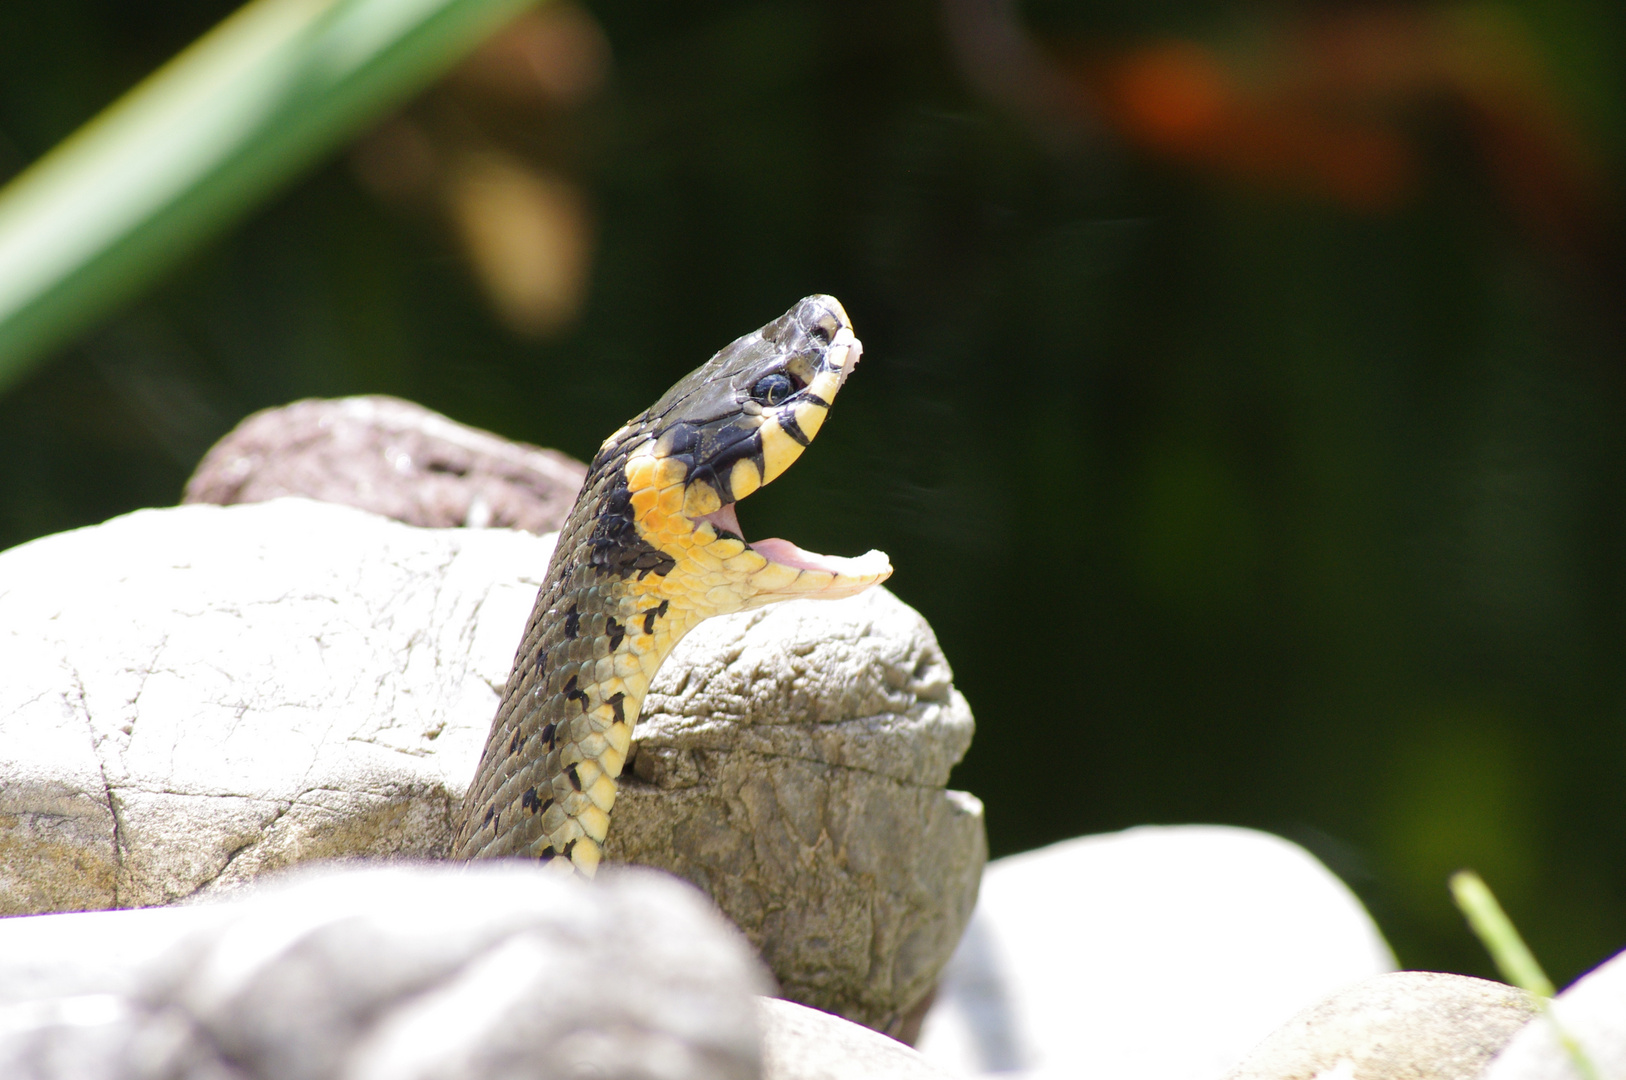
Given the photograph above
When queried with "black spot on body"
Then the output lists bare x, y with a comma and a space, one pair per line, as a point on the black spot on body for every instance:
616, 703
513, 743
548, 854
616, 632
578, 695
570, 847
527, 801
654, 613
573, 621
546, 734
574, 777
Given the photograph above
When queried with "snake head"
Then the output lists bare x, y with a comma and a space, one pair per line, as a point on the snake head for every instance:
732, 425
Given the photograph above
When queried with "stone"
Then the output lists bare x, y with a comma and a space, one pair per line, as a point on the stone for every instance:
203, 694
799, 1043
1592, 1012
392, 457
802, 751
414, 973
1406, 1025
1160, 952
200, 694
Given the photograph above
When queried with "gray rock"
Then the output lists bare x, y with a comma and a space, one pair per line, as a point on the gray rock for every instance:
198, 695
391, 457
419, 974
1592, 1012
1161, 953
793, 768
799, 1043
1406, 1025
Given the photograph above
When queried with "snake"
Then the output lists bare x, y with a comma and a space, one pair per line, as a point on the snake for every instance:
651, 548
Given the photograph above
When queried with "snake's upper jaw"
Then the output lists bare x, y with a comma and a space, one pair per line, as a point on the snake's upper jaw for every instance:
793, 573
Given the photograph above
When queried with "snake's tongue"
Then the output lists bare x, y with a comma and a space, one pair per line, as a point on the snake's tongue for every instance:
794, 572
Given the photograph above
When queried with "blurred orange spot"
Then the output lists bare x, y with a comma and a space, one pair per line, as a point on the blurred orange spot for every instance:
1328, 107
1174, 95
1179, 100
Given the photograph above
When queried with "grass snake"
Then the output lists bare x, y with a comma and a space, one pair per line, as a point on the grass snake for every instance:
651, 548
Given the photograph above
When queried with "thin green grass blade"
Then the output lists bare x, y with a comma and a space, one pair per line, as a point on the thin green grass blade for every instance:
199, 143
1513, 957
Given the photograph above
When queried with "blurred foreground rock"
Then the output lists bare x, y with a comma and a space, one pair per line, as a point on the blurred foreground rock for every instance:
799, 1043
1399, 1026
1593, 1013
392, 457
201, 694
1159, 953
406, 974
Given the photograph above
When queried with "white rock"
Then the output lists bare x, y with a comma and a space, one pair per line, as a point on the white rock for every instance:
1592, 1011
799, 1043
415, 974
1162, 953
195, 695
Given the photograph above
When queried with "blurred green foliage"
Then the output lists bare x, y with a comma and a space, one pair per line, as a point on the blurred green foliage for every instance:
1230, 501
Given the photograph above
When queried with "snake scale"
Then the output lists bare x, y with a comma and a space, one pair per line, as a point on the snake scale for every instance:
651, 548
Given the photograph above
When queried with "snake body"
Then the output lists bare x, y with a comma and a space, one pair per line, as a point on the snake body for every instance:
652, 547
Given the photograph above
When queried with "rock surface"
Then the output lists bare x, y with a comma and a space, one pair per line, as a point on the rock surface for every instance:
412, 974
801, 751
1593, 1013
198, 695
1405, 1025
1162, 953
799, 1043
391, 457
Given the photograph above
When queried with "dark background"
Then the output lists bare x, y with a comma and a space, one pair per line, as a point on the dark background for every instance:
1242, 395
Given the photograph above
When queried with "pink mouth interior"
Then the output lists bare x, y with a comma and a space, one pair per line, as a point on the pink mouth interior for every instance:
775, 550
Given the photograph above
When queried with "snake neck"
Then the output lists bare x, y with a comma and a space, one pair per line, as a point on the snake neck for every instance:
601, 628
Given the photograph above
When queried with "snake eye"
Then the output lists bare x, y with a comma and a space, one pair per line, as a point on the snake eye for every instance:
772, 389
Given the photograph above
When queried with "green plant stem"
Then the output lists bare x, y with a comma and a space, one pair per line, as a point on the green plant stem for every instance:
1513, 958
196, 145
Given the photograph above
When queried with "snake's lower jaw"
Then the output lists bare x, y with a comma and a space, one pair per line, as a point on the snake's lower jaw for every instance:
794, 574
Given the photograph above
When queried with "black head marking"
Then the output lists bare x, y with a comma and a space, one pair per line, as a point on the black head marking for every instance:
788, 424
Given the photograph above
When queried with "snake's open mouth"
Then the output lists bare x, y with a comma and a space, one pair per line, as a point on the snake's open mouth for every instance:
786, 554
